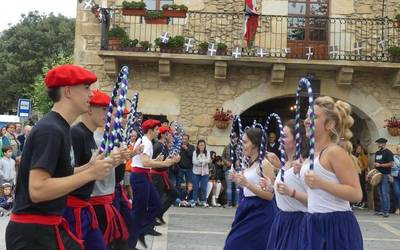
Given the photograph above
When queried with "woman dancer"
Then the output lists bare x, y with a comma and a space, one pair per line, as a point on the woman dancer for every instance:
290, 195
333, 183
256, 211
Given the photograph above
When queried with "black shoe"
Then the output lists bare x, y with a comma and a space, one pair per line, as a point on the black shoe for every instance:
158, 223
142, 241
154, 233
161, 220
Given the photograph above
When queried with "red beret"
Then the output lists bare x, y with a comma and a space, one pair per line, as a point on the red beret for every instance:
126, 111
164, 129
99, 98
68, 75
150, 124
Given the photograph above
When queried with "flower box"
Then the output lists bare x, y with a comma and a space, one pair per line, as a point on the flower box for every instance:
175, 13
222, 124
114, 43
133, 12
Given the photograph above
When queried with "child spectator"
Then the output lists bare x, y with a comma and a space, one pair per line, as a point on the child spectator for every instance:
187, 196
216, 175
6, 200
7, 166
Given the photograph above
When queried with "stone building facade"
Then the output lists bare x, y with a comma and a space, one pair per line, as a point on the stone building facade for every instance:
189, 87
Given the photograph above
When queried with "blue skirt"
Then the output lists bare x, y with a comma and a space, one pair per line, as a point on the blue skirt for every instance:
285, 231
331, 231
252, 224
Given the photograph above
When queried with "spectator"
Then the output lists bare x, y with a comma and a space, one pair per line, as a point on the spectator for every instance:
396, 179
6, 200
215, 179
18, 129
362, 160
232, 193
9, 139
273, 145
383, 163
3, 132
7, 167
201, 160
22, 137
187, 196
185, 170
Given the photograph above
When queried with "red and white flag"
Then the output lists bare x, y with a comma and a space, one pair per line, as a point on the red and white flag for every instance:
250, 21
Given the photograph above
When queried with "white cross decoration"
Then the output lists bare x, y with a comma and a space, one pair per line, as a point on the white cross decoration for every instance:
358, 48
261, 53
164, 37
211, 49
381, 43
309, 53
88, 4
189, 45
286, 50
237, 53
333, 51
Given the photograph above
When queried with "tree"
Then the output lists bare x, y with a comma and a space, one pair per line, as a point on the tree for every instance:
37, 91
26, 48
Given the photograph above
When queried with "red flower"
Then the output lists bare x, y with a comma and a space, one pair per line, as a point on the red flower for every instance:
392, 123
221, 115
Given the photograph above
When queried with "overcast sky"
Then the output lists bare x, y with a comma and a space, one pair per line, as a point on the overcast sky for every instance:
13, 9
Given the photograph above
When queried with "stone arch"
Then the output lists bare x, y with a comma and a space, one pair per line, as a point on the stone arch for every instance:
365, 106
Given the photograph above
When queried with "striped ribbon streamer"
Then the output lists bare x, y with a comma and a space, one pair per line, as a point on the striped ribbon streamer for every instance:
281, 141
178, 139
111, 138
261, 153
131, 118
305, 83
236, 121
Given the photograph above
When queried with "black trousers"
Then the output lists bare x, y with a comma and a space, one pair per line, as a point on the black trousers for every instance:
22, 236
167, 196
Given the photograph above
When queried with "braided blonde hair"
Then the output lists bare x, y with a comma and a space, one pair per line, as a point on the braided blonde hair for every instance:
340, 113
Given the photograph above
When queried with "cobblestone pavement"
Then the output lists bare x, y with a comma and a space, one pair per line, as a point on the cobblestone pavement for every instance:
206, 229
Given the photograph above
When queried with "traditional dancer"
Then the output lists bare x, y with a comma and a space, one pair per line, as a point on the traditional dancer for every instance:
166, 190
46, 176
146, 204
256, 211
290, 195
333, 181
80, 213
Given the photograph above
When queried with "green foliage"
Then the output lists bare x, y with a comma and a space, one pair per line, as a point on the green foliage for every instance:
157, 42
181, 7
154, 14
394, 51
37, 91
145, 44
133, 5
117, 32
26, 47
203, 45
397, 17
221, 46
176, 42
126, 42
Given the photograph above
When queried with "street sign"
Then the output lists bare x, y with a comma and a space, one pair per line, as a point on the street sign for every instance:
24, 107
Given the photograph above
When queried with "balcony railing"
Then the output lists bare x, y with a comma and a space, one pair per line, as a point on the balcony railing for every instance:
280, 36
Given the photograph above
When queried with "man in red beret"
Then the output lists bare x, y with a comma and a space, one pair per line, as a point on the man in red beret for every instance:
161, 182
46, 174
80, 214
146, 204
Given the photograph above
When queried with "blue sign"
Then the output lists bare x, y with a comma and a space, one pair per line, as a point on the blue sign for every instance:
24, 107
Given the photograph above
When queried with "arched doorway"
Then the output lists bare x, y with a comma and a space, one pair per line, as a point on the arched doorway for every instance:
284, 106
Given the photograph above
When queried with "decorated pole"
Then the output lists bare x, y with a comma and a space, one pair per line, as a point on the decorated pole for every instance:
108, 139
281, 141
131, 117
305, 83
238, 122
178, 139
261, 153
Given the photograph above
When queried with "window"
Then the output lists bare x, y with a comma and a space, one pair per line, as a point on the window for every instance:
157, 4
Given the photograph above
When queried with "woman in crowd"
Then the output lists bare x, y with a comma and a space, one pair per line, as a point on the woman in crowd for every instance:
201, 159
396, 178
362, 159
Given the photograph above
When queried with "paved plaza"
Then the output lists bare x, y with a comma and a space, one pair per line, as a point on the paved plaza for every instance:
206, 229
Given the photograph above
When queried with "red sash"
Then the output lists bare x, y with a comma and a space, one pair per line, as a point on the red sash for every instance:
124, 197
164, 175
77, 205
49, 220
113, 218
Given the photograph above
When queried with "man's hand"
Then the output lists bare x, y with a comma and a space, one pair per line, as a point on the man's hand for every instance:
100, 166
115, 156
377, 164
185, 147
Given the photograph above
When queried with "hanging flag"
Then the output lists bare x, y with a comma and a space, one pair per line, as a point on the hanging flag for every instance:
250, 21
